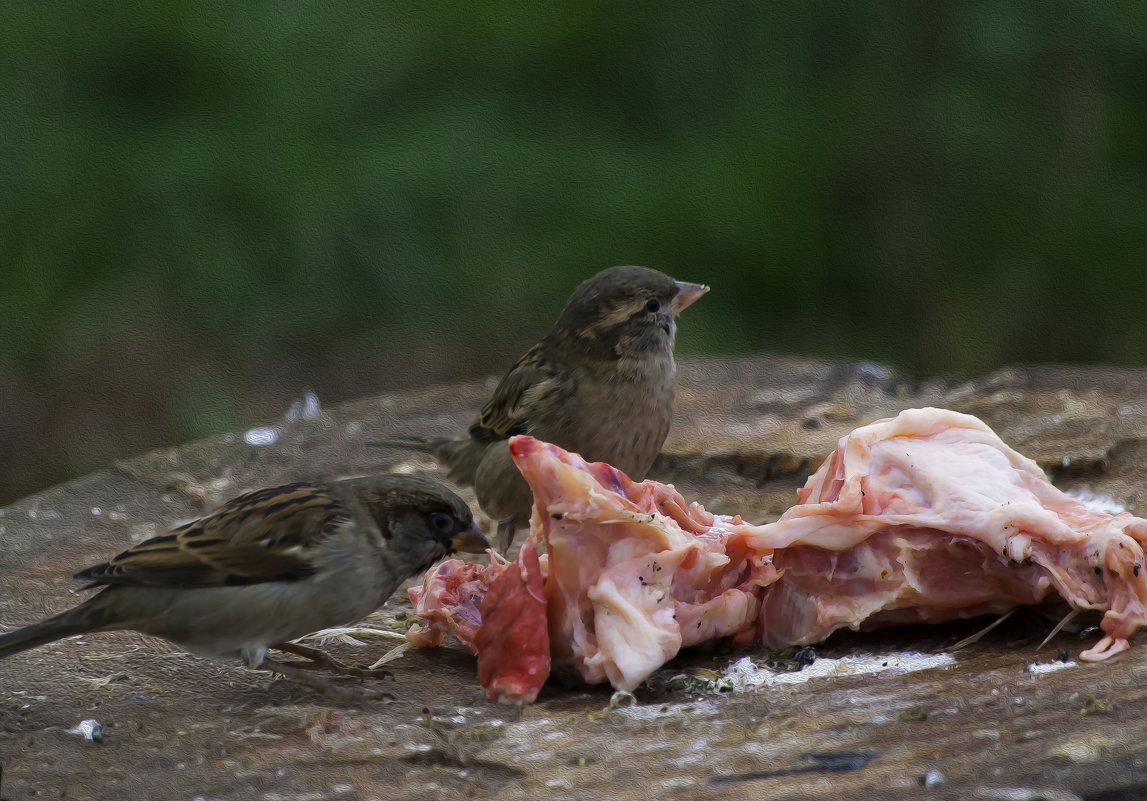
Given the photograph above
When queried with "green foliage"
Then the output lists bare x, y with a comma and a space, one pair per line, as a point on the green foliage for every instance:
205, 207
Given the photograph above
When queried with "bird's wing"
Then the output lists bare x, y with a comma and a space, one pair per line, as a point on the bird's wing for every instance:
265, 535
530, 381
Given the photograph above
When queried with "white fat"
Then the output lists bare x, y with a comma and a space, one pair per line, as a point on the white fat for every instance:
745, 674
1097, 502
1039, 668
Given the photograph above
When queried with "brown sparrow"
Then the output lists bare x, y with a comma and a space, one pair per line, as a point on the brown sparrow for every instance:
600, 383
270, 566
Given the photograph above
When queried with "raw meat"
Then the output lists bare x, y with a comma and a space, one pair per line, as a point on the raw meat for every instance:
930, 516
634, 573
640, 573
922, 518
513, 644
449, 600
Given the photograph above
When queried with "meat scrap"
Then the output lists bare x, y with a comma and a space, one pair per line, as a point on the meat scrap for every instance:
449, 600
925, 517
929, 516
633, 572
513, 643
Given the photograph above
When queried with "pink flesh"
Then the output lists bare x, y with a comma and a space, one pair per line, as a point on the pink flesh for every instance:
930, 516
513, 644
449, 601
923, 518
634, 573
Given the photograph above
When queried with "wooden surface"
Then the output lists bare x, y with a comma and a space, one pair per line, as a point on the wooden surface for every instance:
746, 434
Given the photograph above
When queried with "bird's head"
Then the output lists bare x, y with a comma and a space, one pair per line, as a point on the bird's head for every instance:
420, 520
624, 312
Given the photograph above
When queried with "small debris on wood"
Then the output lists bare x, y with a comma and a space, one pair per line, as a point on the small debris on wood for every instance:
915, 713
1096, 706
933, 778
89, 729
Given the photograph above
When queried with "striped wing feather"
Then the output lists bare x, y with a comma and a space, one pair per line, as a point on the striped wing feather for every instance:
265, 535
508, 411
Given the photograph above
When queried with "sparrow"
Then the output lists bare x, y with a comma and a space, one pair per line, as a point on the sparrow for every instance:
270, 566
600, 383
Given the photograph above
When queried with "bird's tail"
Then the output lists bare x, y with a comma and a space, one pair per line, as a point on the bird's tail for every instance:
84, 618
421, 444
460, 457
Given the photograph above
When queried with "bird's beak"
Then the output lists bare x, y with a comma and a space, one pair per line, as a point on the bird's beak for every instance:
470, 541
686, 294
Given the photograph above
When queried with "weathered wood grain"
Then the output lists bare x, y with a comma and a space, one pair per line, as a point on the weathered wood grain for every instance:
747, 432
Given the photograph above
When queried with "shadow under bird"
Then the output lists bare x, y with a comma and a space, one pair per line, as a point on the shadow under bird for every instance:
270, 566
600, 383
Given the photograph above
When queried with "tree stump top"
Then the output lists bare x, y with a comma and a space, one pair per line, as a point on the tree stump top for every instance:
747, 432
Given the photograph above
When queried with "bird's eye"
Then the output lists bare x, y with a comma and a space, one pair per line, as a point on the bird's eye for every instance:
442, 523
653, 305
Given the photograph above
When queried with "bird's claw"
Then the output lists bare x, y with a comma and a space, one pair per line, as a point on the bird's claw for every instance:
343, 669
340, 692
321, 660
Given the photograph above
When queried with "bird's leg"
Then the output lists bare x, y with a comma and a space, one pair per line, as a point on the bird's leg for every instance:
507, 526
304, 676
321, 660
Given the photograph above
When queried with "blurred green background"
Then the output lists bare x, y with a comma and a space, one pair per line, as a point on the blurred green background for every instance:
205, 208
